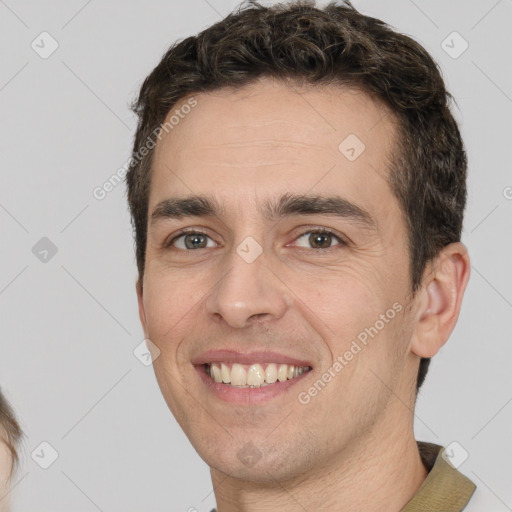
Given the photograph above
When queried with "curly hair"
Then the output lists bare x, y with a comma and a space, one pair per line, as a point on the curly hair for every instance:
331, 45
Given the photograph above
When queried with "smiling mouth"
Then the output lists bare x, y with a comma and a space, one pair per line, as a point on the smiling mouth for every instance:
253, 375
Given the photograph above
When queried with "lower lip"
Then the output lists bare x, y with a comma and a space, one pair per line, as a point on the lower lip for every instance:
246, 396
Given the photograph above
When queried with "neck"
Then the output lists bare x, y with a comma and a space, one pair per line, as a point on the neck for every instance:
376, 472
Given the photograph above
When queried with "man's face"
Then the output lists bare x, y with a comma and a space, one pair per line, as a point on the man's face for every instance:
254, 283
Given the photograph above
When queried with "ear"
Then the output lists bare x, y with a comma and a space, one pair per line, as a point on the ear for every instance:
440, 299
140, 300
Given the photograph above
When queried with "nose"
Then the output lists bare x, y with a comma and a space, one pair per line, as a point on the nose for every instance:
247, 292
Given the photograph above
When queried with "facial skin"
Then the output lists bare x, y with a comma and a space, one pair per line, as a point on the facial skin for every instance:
5, 470
352, 446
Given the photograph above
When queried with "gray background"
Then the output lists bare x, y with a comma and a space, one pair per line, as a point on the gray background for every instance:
70, 324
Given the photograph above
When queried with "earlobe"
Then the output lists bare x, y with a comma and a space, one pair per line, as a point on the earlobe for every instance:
441, 302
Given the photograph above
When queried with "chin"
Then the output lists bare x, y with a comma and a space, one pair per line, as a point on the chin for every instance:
264, 464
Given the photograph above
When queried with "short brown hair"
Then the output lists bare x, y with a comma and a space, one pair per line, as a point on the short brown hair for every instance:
337, 45
13, 433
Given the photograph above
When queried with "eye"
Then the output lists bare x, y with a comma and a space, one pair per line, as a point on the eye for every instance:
320, 239
191, 240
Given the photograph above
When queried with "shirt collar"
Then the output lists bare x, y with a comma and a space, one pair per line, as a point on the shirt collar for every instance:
445, 488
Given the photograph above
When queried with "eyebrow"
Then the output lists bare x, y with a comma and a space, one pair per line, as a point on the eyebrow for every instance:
286, 205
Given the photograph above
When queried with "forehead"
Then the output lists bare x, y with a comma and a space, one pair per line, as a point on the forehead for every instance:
268, 138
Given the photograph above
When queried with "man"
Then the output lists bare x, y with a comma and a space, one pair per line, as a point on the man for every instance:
297, 191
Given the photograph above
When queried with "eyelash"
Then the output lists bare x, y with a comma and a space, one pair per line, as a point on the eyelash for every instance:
341, 241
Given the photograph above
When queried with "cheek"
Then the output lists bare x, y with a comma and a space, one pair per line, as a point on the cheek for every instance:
343, 300
170, 305
345, 307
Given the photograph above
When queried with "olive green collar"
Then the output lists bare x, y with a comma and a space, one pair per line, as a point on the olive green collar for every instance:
445, 488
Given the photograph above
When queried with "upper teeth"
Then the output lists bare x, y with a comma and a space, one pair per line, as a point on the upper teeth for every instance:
255, 374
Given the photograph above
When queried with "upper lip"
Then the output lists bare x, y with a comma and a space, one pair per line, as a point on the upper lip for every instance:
233, 356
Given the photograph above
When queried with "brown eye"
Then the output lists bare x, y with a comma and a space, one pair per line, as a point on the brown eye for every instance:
320, 239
